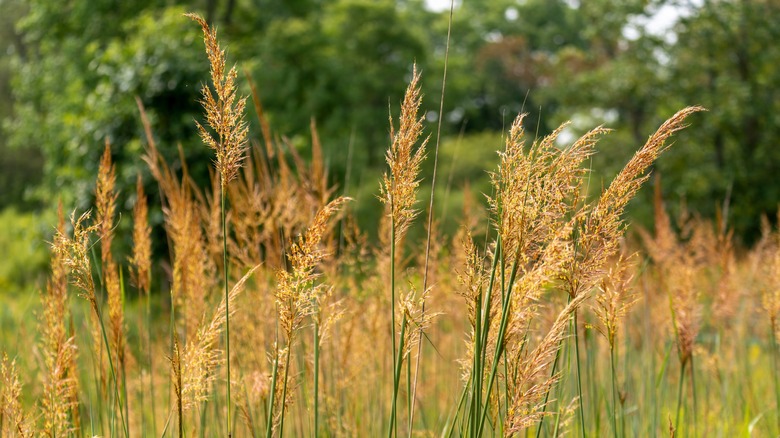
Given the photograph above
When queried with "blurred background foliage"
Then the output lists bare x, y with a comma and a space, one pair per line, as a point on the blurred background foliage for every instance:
71, 70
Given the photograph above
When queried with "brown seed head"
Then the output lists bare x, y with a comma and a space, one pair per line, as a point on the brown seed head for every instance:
105, 201
399, 187
224, 112
296, 294
141, 259
75, 253
14, 421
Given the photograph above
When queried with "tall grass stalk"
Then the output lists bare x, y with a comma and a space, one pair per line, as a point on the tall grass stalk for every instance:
579, 373
693, 394
75, 253
398, 191
227, 301
502, 327
614, 390
284, 389
316, 379
413, 392
553, 369
272, 391
679, 397
392, 430
393, 426
225, 116
775, 374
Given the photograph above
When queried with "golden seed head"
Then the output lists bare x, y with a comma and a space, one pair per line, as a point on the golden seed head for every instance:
399, 187
141, 260
225, 112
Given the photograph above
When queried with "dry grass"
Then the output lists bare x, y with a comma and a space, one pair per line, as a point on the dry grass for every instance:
317, 326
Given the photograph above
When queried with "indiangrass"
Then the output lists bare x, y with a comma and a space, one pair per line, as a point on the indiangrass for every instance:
399, 194
225, 116
304, 308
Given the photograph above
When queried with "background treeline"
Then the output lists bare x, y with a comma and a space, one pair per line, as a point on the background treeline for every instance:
70, 73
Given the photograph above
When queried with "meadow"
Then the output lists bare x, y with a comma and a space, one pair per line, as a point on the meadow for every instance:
274, 314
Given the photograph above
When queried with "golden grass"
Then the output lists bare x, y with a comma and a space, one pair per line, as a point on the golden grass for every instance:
551, 271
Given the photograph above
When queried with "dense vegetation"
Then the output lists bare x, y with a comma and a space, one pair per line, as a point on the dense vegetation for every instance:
238, 276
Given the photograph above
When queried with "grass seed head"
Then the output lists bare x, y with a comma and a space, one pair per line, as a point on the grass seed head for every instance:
224, 112
141, 260
399, 187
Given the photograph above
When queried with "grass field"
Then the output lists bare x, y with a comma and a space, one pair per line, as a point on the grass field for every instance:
275, 315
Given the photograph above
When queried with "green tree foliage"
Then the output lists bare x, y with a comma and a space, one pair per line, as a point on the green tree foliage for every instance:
726, 59
343, 64
77, 67
78, 89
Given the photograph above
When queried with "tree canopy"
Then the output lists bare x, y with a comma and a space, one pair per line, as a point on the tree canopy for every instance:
75, 69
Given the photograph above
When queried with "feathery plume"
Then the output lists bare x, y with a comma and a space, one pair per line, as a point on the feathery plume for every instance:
105, 201
225, 112
615, 298
399, 188
60, 385
201, 356
297, 293
74, 252
141, 260
602, 226
14, 421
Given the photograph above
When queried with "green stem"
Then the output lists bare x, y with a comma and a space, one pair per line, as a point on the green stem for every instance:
614, 390
284, 387
113, 372
679, 398
693, 393
409, 392
270, 422
775, 374
227, 300
482, 325
316, 378
579, 376
547, 394
476, 374
499, 339
151, 367
457, 410
392, 305
397, 377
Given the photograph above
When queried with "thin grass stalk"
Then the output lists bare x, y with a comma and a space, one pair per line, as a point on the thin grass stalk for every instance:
579, 376
505, 305
485, 325
409, 390
172, 330
397, 377
316, 379
614, 390
140, 377
590, 374
272, 392
476, 376
679, 397
775, 373
457, 411
693, 393
284, 390
481, 319
151, 367
227, 300
392, 308
430, 214
547, 393
122, 359
125, 428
